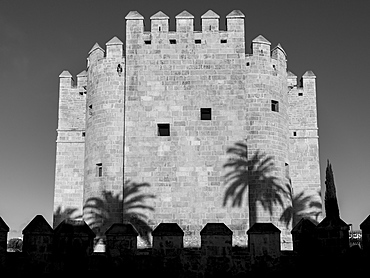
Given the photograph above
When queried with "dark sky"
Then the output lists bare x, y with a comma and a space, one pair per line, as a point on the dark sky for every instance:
40, 39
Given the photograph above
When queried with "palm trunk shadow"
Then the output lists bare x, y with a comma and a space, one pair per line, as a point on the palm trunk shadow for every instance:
253, 177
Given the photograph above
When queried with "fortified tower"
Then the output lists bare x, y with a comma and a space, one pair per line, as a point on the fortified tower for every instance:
267, 133
104, 135
70, 147
218, 135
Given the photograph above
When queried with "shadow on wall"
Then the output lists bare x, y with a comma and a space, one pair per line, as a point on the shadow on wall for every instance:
301, 207
99, 211
254, 176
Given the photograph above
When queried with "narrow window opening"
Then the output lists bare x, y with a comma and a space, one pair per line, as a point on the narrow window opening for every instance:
148, 42
206, 114
172, 41
223, 41
119, 69
274, 72
261, 51
287, 170
274, 105
159, 28
90, 109
163, 129
83, 133
300, 94
248, 64
294, 133
210, 27
99, 169
198, 41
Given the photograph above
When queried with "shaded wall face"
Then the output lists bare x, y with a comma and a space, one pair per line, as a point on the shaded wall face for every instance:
264, 244
170, 81
267, 129
304, 149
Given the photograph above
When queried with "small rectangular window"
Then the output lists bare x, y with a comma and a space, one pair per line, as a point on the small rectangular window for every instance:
83, 133
223, 41
163, 129
294, 133
274, 106
99, 169
148, 42
300, 94
172, 41
206, 114
198, 41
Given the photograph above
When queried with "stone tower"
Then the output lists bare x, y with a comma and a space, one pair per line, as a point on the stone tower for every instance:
218, 135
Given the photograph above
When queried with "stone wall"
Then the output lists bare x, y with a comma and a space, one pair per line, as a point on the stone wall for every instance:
171, 77
215, 134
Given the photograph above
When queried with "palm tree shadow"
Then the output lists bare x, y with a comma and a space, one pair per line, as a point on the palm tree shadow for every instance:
252, 177
68, 213
129, 206
301, 207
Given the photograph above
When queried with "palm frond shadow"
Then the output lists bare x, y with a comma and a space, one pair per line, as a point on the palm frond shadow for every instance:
301, 207
68, 213
253, 177
101, 213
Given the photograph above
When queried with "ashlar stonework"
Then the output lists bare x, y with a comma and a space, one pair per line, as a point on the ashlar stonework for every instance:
215, 135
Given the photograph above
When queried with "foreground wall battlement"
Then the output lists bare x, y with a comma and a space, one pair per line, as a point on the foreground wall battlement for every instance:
69, 248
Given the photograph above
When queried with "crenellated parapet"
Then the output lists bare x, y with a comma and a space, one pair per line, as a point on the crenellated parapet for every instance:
184, 34
114, 50
185, 22
72, 98
265, 60
302, 102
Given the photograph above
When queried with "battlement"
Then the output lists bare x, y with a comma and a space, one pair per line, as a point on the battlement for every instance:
114, 50
307, 81
66, 80
185, 22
